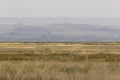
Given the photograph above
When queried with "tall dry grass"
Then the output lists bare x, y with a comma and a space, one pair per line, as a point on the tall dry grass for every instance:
35, 70
59, 61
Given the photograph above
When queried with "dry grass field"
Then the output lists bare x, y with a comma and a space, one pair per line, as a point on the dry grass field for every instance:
59, 61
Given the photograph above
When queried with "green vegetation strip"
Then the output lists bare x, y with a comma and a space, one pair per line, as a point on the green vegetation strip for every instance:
62, 57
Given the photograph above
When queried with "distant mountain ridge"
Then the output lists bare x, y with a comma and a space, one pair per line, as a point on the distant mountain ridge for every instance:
62, 32
59, 20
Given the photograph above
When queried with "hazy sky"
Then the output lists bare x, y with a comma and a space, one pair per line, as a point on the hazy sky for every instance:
59, 8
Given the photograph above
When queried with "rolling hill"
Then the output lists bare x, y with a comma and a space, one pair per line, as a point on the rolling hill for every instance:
63, 32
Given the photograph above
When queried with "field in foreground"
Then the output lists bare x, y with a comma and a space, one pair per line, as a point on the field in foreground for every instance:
59, 61
35, 70
109, 52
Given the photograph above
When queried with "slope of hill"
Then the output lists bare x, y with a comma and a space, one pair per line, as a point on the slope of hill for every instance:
58, 32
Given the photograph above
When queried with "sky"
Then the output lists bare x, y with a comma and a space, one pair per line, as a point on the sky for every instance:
59, 8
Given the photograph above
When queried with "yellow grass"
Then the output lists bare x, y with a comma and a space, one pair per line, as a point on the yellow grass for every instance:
59, 61
35, 70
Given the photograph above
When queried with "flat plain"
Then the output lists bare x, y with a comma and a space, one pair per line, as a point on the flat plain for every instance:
59, 61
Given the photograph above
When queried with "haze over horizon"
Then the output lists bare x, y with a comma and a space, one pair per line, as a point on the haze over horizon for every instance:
60, 8
60, 20
115, 22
